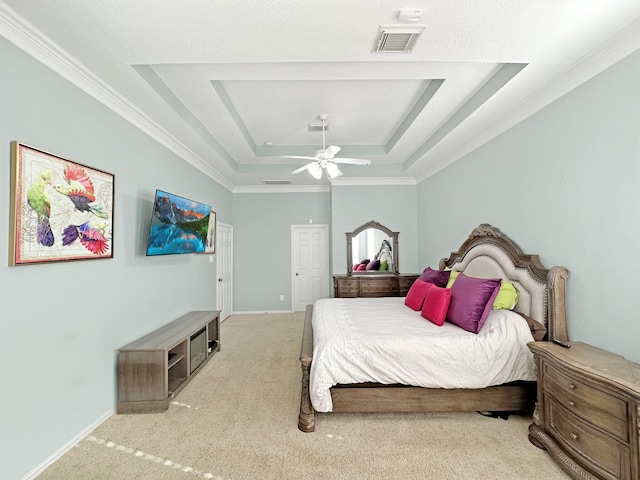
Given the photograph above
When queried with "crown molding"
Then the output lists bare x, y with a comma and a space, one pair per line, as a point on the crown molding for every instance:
372, 181
33, 42
282, 189
337, 182
605, 55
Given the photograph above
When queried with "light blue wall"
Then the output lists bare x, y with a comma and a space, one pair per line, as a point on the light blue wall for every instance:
262, 235
564, 183
262, 245
393, 206
61, 324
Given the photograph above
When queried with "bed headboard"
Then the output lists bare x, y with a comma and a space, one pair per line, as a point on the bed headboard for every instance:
489, 253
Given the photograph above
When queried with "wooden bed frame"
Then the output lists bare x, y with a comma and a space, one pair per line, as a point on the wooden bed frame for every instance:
488, 253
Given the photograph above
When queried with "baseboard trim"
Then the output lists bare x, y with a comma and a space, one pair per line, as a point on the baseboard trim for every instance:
254, 312
47, 462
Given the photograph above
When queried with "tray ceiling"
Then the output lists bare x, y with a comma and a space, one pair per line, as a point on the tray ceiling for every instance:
232, 86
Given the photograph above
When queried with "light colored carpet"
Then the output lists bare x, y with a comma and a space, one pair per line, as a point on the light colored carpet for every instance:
237, 419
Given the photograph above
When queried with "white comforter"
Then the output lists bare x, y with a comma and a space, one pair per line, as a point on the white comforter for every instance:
382, 340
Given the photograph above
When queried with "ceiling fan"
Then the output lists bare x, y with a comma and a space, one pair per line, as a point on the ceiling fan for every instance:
326, 158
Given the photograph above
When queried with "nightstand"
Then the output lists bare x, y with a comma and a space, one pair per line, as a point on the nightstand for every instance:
586, 413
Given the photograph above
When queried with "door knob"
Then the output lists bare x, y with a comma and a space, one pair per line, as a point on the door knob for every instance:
296, 274
219, 279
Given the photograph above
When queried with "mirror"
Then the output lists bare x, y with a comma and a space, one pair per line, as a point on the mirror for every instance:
372, 245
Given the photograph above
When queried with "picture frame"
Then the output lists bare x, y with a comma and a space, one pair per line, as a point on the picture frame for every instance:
60, 210
210, 247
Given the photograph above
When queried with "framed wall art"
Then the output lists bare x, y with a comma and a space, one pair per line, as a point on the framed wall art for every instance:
60, 210
210, 246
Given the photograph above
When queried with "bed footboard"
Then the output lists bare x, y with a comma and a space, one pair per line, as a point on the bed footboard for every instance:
373, 397
307, 416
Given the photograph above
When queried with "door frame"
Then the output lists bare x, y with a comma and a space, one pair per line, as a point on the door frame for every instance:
218, 272
327, 275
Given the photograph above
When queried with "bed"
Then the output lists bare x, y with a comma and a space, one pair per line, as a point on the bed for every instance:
486, 253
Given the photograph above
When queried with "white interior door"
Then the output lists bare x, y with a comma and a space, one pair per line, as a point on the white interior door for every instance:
310, 264
224, 251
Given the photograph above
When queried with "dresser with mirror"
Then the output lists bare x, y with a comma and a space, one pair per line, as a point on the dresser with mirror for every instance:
372, 265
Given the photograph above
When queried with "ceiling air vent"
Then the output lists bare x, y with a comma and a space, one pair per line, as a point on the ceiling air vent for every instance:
397, 39
276, 182
318, 127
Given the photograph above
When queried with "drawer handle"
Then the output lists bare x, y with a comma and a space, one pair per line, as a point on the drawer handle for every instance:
574, 436
572, 386
571, 403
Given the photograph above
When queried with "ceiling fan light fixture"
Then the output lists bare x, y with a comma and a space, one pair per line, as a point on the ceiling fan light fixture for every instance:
315, 170
333, 171
325, 158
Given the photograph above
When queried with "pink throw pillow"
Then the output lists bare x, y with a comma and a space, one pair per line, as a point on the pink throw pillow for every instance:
416, 294
436, 305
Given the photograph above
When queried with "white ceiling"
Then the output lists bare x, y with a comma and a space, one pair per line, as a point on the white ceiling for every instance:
216, 81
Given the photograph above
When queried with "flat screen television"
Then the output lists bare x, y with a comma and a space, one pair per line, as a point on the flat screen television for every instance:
178, 225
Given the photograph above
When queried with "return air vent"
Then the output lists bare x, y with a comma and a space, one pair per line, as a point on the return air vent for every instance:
318, 127
396, 39
276, 182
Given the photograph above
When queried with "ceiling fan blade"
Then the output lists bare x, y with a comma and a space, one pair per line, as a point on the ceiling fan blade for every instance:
297, 156
331, 150
301, 169
352, 161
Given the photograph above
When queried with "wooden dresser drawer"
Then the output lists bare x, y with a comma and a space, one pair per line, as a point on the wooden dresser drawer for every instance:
346, 287
405, 283
379, 288
587, 393
601, 409
595, 449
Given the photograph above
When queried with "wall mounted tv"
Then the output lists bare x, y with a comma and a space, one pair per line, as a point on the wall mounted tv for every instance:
178, 225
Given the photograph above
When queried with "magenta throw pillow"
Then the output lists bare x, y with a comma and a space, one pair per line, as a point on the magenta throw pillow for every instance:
415, 295
436, 305
438, 277
471, 301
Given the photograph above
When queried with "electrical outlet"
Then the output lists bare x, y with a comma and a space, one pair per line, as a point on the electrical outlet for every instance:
282, 298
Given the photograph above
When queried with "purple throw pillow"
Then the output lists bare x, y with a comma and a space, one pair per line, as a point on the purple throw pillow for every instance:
471, 301
373, 265
438, 277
